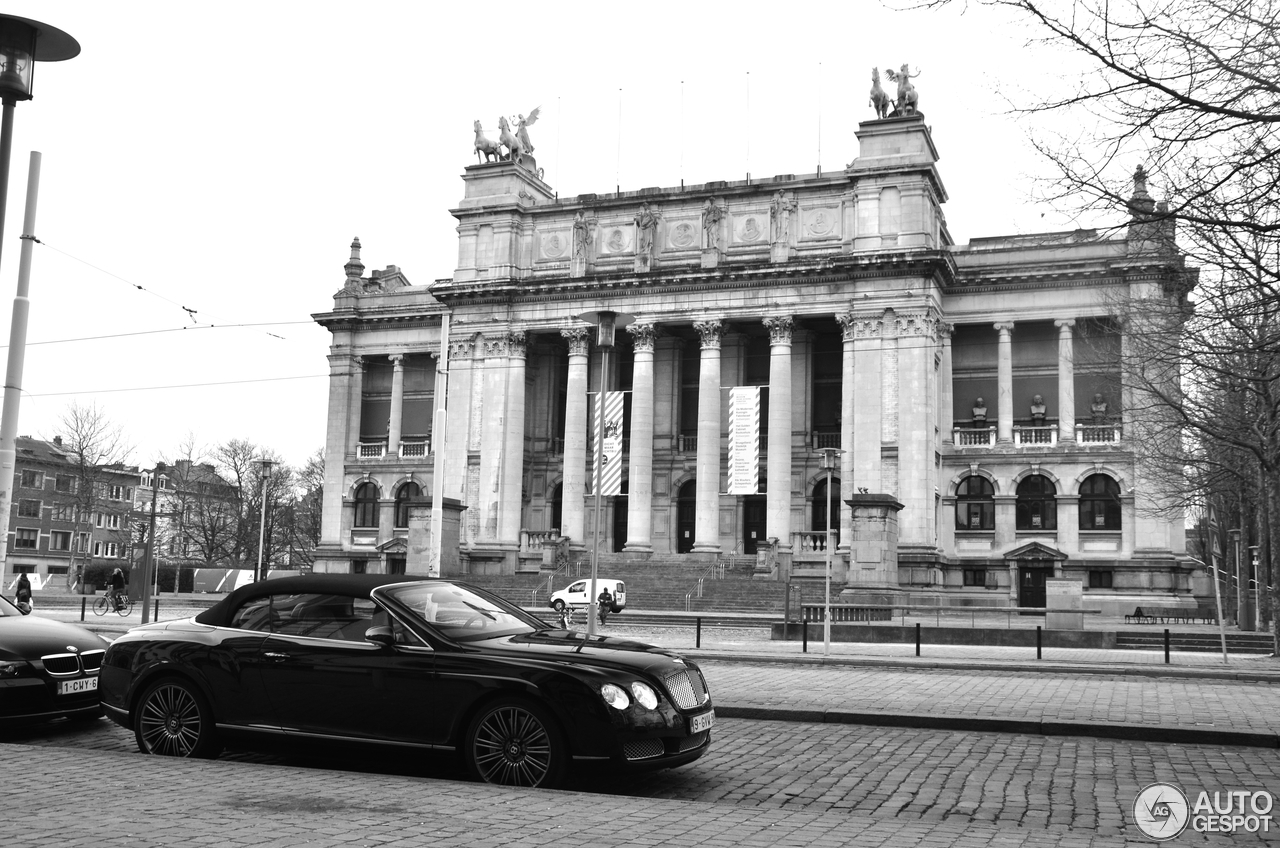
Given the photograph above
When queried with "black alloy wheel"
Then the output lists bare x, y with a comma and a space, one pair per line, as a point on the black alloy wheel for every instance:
513, 742
558, 606
174, 720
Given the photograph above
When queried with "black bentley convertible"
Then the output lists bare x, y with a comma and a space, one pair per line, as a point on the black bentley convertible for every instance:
391, 661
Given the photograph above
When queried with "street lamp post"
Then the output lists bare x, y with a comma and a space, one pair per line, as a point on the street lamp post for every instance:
606, 323
262, 522
830, 456
151, 551
23, 42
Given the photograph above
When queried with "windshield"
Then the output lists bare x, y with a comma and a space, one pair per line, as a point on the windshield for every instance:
7, 608
461, 614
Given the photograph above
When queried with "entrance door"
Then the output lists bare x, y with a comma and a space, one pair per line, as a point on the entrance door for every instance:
686, 517
753, 522
619, 523
1031, 585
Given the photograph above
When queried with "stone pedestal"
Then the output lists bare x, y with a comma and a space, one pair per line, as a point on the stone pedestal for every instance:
711, 257
418, 555
873, 551
781, 253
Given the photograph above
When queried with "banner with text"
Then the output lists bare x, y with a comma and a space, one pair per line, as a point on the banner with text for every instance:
744, 440
611, 478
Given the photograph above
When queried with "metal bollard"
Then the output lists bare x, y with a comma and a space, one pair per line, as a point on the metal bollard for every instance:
804, 634
83, 603
156, 615
698, 642
917, 638
1038, 643
1166, 646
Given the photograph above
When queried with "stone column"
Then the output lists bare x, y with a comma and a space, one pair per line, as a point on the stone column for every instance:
866, 414
492, 439
397, 404
778, 450
917, 341
946, 391
640, 474
458, 417
1066, 381
1006, 521
574, 490
511, 495
847, 389
707, 521
344, 387
1068, 536
1004, 372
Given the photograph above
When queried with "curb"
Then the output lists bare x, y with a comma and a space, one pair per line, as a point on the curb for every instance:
1046, 666
1028, 727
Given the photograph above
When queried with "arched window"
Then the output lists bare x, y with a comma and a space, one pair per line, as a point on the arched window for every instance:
1037, 504
818, 522
1099, 503
366, 505
407, 491
975, 504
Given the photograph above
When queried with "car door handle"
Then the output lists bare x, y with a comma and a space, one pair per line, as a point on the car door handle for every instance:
277, 656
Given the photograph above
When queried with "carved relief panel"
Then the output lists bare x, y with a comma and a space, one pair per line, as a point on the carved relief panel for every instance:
751, 227
821, 222
683, 234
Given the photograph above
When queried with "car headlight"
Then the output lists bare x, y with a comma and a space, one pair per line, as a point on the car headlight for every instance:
615, 696
15, 668
644, 695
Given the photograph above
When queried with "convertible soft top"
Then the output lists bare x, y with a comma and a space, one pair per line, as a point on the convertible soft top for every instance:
360, 585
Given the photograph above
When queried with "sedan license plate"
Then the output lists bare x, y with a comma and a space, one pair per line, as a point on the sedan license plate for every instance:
83, 684
699, 723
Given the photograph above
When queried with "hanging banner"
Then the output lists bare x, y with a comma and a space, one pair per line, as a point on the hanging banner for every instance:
611, 479
744, 440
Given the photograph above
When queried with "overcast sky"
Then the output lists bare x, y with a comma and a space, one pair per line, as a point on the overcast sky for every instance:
220, 157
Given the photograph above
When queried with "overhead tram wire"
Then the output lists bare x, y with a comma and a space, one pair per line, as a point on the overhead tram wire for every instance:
170, 330
180, 386
190, 312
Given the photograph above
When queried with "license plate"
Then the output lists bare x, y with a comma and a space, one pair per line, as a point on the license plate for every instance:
699, 723
82, 684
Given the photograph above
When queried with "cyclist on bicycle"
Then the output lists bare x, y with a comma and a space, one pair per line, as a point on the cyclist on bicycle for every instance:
116, 589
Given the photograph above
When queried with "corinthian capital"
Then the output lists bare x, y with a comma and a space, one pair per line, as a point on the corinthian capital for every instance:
577, 338
643, 336
780, 328
710, 332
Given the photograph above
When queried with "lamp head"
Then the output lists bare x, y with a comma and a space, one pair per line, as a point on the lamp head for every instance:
830, 458
23, 42
607, 323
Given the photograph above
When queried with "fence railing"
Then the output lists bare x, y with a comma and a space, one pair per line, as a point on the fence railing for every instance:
371, 450
964, 437
1034, 435
686, 444
1093, 434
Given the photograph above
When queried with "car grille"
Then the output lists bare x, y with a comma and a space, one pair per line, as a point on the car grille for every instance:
697, 740
66, 665
687, 688
645, 749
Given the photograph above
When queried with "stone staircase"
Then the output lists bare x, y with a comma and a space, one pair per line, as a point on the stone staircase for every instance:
659, 584
1153, 640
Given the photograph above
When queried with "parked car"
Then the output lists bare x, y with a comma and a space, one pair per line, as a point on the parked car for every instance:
578, 594
48, 669
427, 664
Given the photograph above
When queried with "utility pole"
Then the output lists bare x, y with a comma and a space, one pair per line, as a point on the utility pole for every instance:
151, 544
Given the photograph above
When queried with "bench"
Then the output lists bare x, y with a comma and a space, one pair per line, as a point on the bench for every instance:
1163, 615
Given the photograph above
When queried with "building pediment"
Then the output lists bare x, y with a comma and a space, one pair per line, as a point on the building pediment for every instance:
1035, 551
397, 545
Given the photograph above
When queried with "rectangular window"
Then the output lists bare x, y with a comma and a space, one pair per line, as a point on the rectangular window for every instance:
97, 549
62, 512
98, 519
1100, 579
26, 539
65, 484
60, 540
32, 479
357, 566
82, 542
28, 508
24, 569
975, 577
112, 549
58, 569
113, 522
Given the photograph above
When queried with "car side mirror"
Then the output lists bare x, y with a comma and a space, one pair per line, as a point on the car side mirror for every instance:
382, 636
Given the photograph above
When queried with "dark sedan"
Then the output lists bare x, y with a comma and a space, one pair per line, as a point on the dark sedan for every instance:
48, 669
427, 664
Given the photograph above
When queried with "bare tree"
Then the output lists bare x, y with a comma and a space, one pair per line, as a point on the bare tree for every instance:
96, 451
1189, 90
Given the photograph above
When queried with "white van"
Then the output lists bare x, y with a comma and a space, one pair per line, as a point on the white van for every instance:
577, 594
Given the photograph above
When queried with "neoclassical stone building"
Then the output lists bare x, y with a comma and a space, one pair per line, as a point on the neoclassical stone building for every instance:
974, 390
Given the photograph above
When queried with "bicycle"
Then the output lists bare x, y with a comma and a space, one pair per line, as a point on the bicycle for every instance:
123, 605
